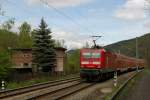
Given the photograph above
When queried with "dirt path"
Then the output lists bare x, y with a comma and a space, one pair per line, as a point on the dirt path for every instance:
141, 89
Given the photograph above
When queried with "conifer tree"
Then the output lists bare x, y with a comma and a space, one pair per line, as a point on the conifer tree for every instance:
43, 48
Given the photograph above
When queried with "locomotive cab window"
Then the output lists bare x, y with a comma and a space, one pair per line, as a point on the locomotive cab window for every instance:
91, 55
86, 55
95, 55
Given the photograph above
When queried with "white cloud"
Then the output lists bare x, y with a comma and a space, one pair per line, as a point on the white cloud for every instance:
147, 24
72, 40
60, 3
132, 10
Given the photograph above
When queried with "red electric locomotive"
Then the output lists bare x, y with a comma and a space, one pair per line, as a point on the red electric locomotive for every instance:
99, 63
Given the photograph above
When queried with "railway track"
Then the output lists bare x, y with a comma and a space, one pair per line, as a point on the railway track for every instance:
53, 90
64, 92
30, 91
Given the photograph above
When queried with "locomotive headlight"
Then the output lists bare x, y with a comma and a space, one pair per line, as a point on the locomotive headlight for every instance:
96, 62
84, 62
98, 66
81, 66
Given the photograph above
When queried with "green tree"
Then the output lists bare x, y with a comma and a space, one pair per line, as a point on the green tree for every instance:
8, 39
4, 64
86, 45
73, 62
43, 53
7, 25
25, 40
59, 43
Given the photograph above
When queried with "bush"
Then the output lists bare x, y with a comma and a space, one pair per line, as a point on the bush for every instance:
72, 64
4, 64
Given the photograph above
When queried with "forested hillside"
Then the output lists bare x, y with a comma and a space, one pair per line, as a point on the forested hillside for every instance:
128, 47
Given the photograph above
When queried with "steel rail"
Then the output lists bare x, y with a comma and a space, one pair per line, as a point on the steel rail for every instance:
75, 91
55, 91
12, 92
65, 91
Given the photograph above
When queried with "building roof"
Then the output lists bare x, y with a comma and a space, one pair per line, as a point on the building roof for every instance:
60, 48
30, 49
21, 49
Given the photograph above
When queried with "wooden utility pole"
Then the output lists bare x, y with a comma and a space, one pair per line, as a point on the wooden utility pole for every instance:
137, 55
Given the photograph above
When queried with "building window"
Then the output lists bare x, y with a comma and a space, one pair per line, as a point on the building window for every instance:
25, 55
25, 64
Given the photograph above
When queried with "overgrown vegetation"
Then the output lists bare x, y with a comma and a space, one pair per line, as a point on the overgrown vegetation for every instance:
128, 47
25, 39
9, 40
72, 64
4, 64
14, 85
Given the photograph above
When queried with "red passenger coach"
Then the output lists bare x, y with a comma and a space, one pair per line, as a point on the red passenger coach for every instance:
99, 63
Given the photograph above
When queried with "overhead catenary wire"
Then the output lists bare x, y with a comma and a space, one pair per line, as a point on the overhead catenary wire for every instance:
60, 13
13, 3
27, 11
67, 16
2, 12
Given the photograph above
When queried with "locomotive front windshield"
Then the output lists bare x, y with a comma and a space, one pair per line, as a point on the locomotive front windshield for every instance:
91, 55
87, 55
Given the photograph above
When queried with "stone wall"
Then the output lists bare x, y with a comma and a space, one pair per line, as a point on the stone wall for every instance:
21, 59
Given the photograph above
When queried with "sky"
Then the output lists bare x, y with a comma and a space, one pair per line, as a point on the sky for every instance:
75, 21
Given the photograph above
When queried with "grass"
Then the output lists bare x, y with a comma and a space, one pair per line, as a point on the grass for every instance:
129, 87
14, 85
114, 89
125, 90
147, 71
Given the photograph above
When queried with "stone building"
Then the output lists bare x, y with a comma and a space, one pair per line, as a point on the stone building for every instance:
22, 59
60, 59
